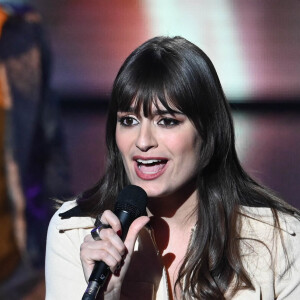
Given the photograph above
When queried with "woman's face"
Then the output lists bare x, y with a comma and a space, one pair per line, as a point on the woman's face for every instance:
161, 152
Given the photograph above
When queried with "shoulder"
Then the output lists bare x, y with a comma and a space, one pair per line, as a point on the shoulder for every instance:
62, 220
68, 230
258, 226
270, 251
258, 220
65, 236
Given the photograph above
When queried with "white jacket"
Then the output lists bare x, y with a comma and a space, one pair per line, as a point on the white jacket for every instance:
146, 277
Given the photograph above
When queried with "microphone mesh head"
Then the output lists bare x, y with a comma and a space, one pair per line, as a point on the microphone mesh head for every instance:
132, 199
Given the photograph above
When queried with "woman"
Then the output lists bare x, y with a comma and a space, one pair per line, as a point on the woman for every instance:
212, 232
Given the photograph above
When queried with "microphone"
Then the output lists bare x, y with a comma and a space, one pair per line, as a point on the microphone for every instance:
131, 204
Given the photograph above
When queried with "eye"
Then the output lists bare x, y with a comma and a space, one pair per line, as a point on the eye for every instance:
168, 122
127, 121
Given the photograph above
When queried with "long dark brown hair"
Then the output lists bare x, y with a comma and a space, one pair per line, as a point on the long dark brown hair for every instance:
175, 71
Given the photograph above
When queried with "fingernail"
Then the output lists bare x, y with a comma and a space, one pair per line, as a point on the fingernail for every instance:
124, 256
119, 233
117, 270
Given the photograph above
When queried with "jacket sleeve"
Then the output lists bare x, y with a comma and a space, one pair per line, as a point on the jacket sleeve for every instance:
64, 274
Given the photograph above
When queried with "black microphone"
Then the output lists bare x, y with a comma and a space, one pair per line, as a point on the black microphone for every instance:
131, 204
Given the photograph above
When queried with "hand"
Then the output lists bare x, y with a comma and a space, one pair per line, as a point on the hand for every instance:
111, 250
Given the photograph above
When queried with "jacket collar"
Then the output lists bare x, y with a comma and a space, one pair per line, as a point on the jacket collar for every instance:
72, 217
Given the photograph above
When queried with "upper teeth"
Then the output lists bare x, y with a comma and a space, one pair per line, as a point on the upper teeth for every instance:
150, 161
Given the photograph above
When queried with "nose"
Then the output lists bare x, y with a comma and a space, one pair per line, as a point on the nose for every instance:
146, 138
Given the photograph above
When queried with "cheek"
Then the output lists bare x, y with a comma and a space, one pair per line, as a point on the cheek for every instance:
184, 145
124, 143
121, 143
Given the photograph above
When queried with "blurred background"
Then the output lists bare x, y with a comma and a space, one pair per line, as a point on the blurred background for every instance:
67, 53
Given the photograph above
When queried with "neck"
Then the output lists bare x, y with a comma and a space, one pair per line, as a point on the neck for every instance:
172, 219
178, 209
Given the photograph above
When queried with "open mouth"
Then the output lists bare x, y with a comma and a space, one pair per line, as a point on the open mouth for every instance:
151, 166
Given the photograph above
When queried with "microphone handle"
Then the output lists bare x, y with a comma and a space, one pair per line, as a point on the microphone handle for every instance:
96, 281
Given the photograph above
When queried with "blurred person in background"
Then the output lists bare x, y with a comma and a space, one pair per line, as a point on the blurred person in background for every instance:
33, 166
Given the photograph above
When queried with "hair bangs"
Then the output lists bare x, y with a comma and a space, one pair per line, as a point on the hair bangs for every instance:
146, 93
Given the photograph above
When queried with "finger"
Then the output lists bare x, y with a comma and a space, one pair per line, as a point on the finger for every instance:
106, 234
93, 255
114, 246
110, 235
108, 217
88, 238
133, 232
93, 251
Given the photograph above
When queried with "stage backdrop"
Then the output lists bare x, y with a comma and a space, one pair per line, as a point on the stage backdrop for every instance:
255, 45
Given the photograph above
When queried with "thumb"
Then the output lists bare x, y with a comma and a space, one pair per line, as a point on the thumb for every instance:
133, 232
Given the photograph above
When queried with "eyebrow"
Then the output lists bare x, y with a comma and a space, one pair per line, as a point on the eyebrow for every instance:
156, 112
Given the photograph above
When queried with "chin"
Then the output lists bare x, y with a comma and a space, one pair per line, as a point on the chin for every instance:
153, 190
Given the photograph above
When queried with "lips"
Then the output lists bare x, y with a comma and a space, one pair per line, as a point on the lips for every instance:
148, 168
